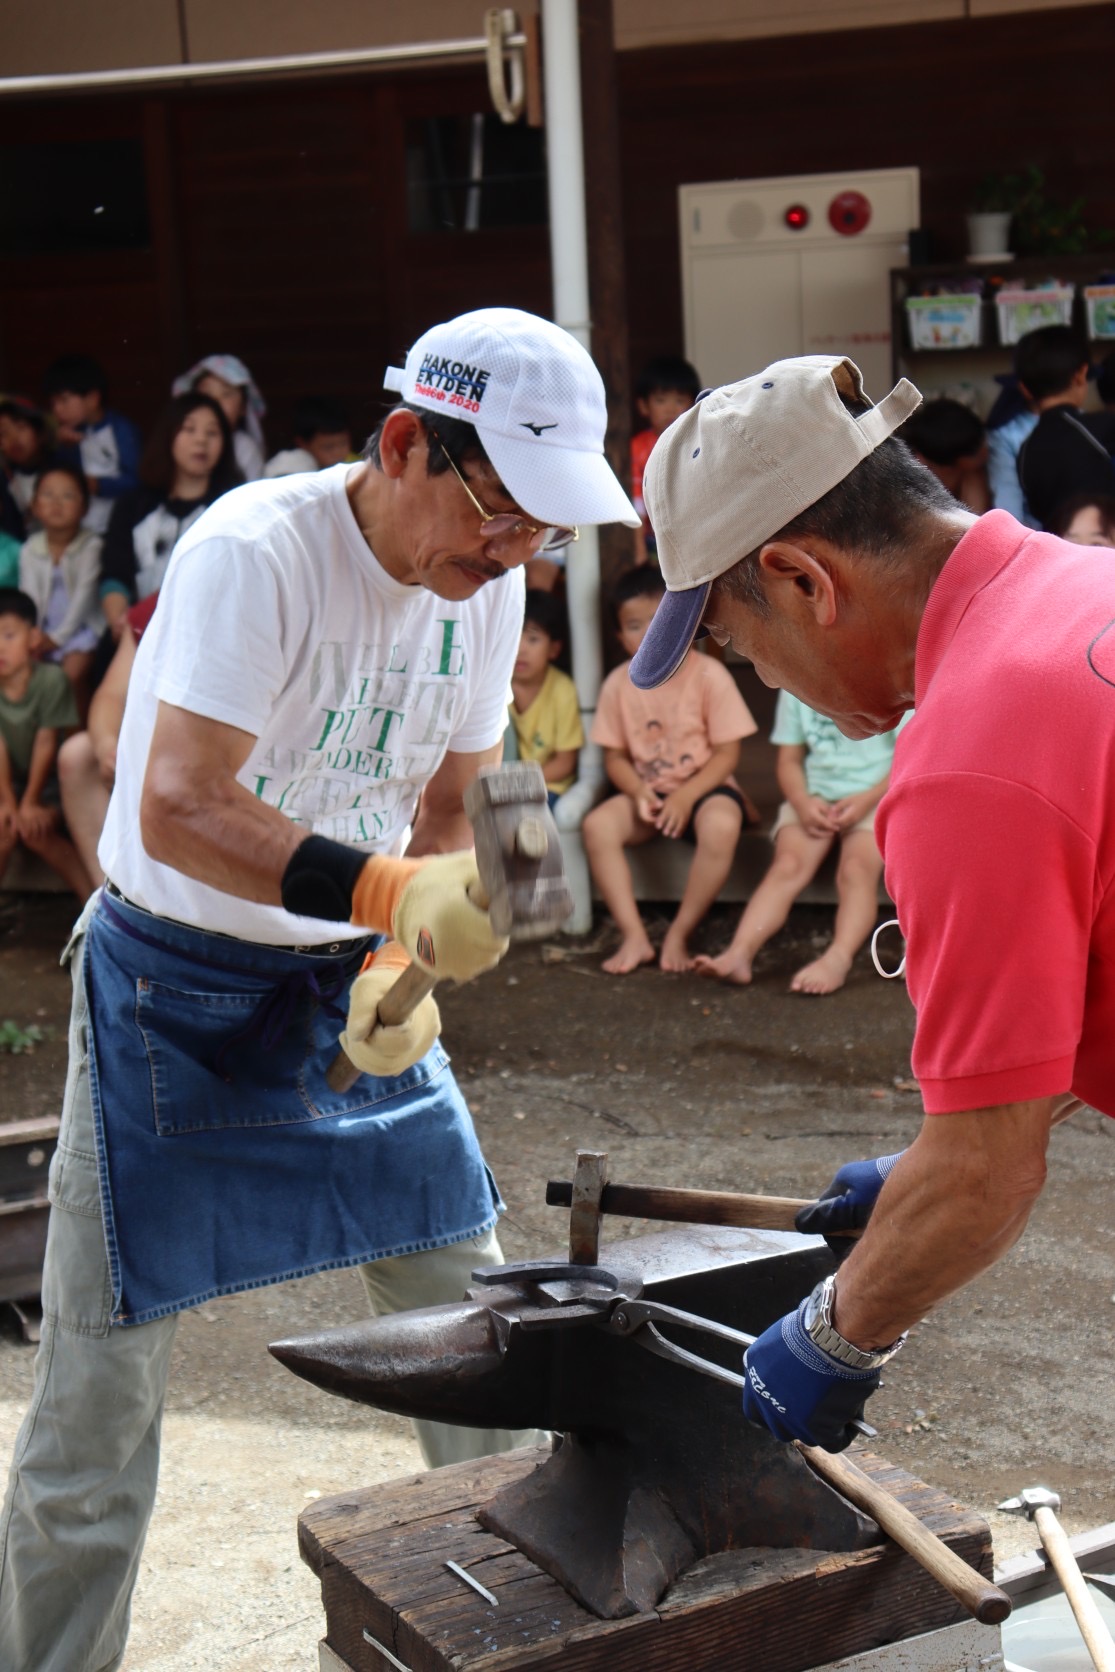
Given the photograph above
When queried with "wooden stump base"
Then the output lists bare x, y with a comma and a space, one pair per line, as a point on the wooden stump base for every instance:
380, 1554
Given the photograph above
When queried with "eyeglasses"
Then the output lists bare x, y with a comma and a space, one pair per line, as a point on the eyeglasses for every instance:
718, 635
509, 524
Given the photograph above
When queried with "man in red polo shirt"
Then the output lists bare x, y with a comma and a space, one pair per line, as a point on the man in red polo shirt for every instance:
791, 523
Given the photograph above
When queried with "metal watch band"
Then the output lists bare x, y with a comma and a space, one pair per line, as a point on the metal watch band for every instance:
821, 1331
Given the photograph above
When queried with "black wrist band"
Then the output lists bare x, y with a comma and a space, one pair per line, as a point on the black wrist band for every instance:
319, 879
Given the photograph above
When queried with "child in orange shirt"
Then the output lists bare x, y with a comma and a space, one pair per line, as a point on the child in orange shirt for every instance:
670, 753
667, 386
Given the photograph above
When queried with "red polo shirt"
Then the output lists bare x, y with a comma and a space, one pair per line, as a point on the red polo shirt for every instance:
998, 831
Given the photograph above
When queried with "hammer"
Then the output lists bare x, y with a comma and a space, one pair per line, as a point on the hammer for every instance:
1041, 1505
522, 882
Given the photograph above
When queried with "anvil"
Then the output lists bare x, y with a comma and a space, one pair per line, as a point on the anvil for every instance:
656, 1466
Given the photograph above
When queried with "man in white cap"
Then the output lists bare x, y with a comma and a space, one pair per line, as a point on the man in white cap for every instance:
327, 650
791, 525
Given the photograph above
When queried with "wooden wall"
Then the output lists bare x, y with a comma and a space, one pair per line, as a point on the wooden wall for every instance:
279, 233
279, 213
958, 99
53, 36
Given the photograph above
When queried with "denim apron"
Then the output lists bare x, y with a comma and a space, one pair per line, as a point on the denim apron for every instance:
225, 1160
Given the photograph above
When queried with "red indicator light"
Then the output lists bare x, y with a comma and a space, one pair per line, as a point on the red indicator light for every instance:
849, 213
796, 217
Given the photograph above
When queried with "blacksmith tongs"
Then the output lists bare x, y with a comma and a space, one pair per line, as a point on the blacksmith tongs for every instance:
638, 1319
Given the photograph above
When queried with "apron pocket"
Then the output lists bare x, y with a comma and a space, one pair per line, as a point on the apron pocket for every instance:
225, 1059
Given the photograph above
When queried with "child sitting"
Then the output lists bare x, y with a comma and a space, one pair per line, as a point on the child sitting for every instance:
36, 703
544, 712
1063, 456
187, 464
108, 444
1085, 520
950, 439
321, 438
227, 380
666, 387
670, 753
59, 569
25, 447
832, 786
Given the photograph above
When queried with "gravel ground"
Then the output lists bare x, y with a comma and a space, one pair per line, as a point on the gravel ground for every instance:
1008, 1385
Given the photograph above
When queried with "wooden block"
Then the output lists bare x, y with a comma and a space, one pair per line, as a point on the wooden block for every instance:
380, 1555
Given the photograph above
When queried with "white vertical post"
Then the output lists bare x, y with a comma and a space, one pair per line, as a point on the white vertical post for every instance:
565, 169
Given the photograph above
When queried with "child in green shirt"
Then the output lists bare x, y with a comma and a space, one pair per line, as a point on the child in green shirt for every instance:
36, 704
832, 785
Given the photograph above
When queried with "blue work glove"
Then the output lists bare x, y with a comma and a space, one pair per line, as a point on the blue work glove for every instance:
798, 1391
846, 1204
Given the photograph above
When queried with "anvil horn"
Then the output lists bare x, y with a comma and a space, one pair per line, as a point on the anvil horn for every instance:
441, 1363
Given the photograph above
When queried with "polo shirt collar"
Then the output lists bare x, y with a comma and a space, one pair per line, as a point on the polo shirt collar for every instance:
977, 560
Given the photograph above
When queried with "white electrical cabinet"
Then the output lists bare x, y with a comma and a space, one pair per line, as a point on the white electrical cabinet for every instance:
798, 264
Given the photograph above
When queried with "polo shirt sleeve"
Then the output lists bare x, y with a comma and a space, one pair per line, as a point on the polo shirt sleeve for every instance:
995, 894
727, 716
607, 726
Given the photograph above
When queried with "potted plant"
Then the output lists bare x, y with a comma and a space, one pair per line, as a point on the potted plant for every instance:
996, 200
1041, 225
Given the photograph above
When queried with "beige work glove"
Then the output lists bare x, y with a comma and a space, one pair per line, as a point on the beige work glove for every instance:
379, 1050
438, 924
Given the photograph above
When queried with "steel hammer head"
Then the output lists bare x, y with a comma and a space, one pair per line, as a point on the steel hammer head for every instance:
518, 850
1030, 1499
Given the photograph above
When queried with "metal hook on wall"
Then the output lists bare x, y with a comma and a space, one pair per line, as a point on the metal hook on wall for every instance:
500, 23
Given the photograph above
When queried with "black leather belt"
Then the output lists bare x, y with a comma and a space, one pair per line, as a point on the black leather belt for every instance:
321, 949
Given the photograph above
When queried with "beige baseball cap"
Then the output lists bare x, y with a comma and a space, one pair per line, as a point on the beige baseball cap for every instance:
740, 465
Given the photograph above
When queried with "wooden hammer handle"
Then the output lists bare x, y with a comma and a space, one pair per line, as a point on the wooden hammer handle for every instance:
979, 1596
690, 1207
404, 995
400, 999
1093, 1628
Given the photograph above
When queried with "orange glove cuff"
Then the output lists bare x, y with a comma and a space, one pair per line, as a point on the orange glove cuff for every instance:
379, 888
389, 956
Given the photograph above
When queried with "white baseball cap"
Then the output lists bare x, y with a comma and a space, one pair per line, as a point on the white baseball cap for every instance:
536, 402
740, 465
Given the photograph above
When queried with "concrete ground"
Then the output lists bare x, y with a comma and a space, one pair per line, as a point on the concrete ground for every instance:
1009, 1384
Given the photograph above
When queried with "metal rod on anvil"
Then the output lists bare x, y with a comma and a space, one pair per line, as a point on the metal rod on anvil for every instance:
689, 1207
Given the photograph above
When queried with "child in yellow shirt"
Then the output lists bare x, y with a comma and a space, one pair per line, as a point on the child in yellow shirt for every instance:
544, 715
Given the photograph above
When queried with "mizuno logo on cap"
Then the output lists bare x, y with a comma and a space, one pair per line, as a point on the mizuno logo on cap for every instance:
536, 429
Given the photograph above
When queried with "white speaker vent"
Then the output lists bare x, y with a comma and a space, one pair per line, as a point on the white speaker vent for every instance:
745, 218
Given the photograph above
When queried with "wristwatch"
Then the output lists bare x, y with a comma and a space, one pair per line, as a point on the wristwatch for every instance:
818, 1326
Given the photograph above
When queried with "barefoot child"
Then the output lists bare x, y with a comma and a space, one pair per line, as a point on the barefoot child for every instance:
832, 786
36, 703
544, 711
670, 753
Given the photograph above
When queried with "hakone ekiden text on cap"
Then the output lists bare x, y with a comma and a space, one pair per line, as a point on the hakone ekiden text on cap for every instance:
740, 465
537, 403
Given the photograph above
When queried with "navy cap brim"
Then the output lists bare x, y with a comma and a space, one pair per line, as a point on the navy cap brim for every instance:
669, 636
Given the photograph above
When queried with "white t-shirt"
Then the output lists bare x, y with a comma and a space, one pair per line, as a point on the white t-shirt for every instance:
277, 619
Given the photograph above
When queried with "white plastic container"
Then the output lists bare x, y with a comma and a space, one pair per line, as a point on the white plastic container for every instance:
1023, 311
1100, 302
944, 321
